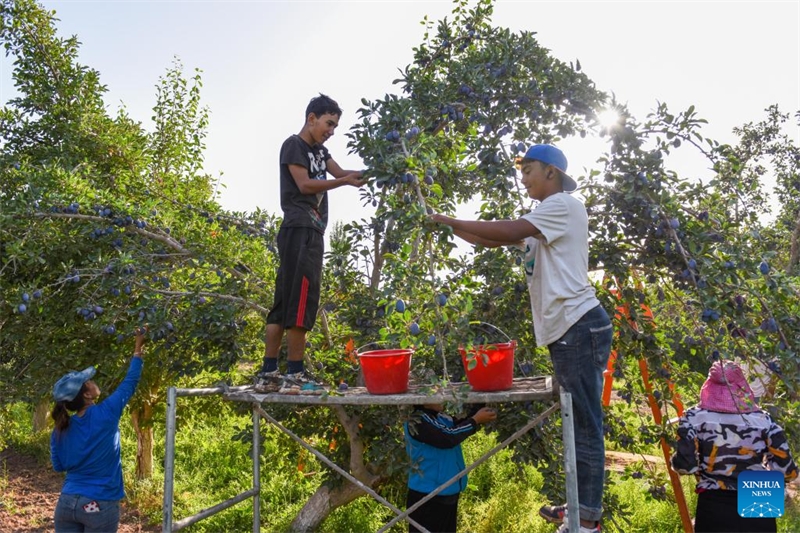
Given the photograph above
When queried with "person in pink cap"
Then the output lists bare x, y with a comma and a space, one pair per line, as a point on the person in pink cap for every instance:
726, 434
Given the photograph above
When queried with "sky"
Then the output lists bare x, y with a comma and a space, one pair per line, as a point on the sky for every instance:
263, 61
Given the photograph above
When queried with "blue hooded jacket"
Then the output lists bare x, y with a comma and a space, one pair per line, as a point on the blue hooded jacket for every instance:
433, 443
89, 449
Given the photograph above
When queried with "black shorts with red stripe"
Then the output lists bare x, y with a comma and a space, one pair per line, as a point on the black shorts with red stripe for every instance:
297, 285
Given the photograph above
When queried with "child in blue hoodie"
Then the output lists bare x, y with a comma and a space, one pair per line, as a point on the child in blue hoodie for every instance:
433, 443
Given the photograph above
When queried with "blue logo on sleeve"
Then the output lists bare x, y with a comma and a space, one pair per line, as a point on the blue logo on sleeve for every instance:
761, 494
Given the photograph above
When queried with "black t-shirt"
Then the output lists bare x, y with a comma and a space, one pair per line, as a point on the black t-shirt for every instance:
303, 210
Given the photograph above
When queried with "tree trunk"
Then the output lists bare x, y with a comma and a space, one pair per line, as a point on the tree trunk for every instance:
142, 420
40, 413
375, 279
321, 504
380, 249
326, 499
794, 258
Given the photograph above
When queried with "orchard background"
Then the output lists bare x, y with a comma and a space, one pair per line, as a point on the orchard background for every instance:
108, 224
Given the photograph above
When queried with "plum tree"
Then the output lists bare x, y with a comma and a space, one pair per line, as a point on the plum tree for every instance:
92, 204
685, 249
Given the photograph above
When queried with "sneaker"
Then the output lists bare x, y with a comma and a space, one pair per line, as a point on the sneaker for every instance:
553, 513
267, 382
300, 383
581, 529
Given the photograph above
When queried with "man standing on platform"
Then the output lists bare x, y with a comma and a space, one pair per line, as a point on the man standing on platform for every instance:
304, 165
567, 316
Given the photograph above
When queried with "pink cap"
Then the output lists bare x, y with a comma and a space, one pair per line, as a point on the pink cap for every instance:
726, 390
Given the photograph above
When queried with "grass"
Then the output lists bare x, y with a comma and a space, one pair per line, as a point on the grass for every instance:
6, 499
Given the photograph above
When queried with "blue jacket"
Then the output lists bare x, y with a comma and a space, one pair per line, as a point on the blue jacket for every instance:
88, 450
433, 444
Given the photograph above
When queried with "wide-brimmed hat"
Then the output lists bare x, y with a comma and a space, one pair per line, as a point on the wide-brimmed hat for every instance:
70, 385
726, 390
550, 155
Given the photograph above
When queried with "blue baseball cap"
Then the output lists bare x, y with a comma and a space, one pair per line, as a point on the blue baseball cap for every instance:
550, 155
70, 385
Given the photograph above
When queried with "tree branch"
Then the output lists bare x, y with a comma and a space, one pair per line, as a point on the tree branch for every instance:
162, 238
237, 299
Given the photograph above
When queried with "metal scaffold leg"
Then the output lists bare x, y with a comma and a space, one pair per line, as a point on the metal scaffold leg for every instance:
570, 463
256, 470
169, 461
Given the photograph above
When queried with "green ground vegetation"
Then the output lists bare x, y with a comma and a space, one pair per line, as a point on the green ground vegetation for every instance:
213, 464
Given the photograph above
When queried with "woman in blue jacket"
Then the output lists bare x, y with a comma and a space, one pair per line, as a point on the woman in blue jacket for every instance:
86, 446
433, 443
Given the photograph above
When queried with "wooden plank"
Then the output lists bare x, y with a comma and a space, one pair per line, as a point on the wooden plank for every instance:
522, 390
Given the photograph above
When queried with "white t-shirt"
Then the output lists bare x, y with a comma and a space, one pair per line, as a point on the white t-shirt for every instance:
758, 375
557, 266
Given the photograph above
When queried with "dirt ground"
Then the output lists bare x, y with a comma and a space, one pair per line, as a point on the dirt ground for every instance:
28, 496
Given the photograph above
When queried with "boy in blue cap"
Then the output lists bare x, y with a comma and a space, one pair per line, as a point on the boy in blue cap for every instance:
567, 316
304, 166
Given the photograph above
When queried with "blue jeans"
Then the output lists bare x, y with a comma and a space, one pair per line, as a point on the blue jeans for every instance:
579, 358
78, 514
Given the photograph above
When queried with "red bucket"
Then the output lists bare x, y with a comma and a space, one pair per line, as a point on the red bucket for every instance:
386, 371
490, 367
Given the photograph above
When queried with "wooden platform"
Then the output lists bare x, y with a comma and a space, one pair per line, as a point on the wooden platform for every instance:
522, 390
